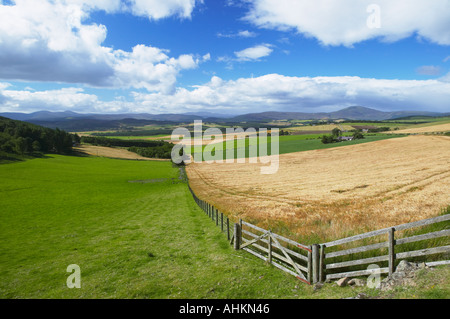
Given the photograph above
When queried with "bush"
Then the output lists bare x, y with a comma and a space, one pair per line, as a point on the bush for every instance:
358, 136
328, 139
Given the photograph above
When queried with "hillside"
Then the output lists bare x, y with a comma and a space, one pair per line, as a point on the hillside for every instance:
22, 138
350, 113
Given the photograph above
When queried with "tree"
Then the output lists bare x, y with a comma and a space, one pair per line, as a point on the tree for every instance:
358, 136
336, 132
327, 139
20, 146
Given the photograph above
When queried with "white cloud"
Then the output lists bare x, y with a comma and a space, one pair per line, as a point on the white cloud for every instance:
239, 34
336, 22
157, 9
301, 94
58, 100
254, 53
44, 40
247, 95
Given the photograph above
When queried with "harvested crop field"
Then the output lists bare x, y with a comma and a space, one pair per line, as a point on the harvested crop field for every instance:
426, 129
333, 193
112, 153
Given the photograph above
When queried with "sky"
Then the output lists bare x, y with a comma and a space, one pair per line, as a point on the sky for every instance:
224, 56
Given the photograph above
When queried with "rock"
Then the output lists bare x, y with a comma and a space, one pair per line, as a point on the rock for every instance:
342, 282
406, 266
357, 282
404, 275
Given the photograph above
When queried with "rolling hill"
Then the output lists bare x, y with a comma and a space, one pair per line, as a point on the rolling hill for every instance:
72, 121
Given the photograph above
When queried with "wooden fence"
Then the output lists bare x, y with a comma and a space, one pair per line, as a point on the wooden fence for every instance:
320, 262
391, 244
217, 217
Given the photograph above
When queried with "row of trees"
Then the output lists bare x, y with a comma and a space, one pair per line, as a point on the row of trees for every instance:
17, 137
113, 142
151, 149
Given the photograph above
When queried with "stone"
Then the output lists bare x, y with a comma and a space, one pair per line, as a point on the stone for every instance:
404, 275
406, 266
342, 282
357, 282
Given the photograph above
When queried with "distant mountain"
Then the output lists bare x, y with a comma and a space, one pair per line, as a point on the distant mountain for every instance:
349, 113
72, 121
210, 115
48, 116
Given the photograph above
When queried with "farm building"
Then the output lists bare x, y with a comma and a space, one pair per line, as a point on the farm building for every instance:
345, 138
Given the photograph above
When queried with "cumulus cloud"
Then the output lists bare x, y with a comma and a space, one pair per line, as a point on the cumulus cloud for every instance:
272, 92
301, 94
335, 22
45, 40
58, 100
254, 53
157, 9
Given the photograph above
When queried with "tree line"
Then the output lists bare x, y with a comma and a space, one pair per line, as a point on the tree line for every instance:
151, 149
17, 137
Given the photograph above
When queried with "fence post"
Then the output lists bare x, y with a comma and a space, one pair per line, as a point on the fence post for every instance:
221, 221
270, 248
310, 264
315, 263
228, 229
322, 264
391, 251
237, 235
217, 217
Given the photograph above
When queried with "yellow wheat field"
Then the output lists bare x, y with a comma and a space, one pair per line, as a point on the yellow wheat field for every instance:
333, 193
426, 129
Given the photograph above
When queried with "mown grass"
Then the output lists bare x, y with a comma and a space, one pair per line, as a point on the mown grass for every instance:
131, 240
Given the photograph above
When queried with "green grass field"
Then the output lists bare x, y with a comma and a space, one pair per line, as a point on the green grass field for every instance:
294, 143
131, 240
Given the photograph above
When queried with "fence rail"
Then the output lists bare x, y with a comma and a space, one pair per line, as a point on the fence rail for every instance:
392, 256
314, 263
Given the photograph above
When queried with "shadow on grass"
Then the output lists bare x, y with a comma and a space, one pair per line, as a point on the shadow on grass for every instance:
10, 158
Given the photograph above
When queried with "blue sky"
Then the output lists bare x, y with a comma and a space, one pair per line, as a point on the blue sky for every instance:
230, 56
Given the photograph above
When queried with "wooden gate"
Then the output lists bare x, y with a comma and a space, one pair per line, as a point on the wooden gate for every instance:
285, 254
